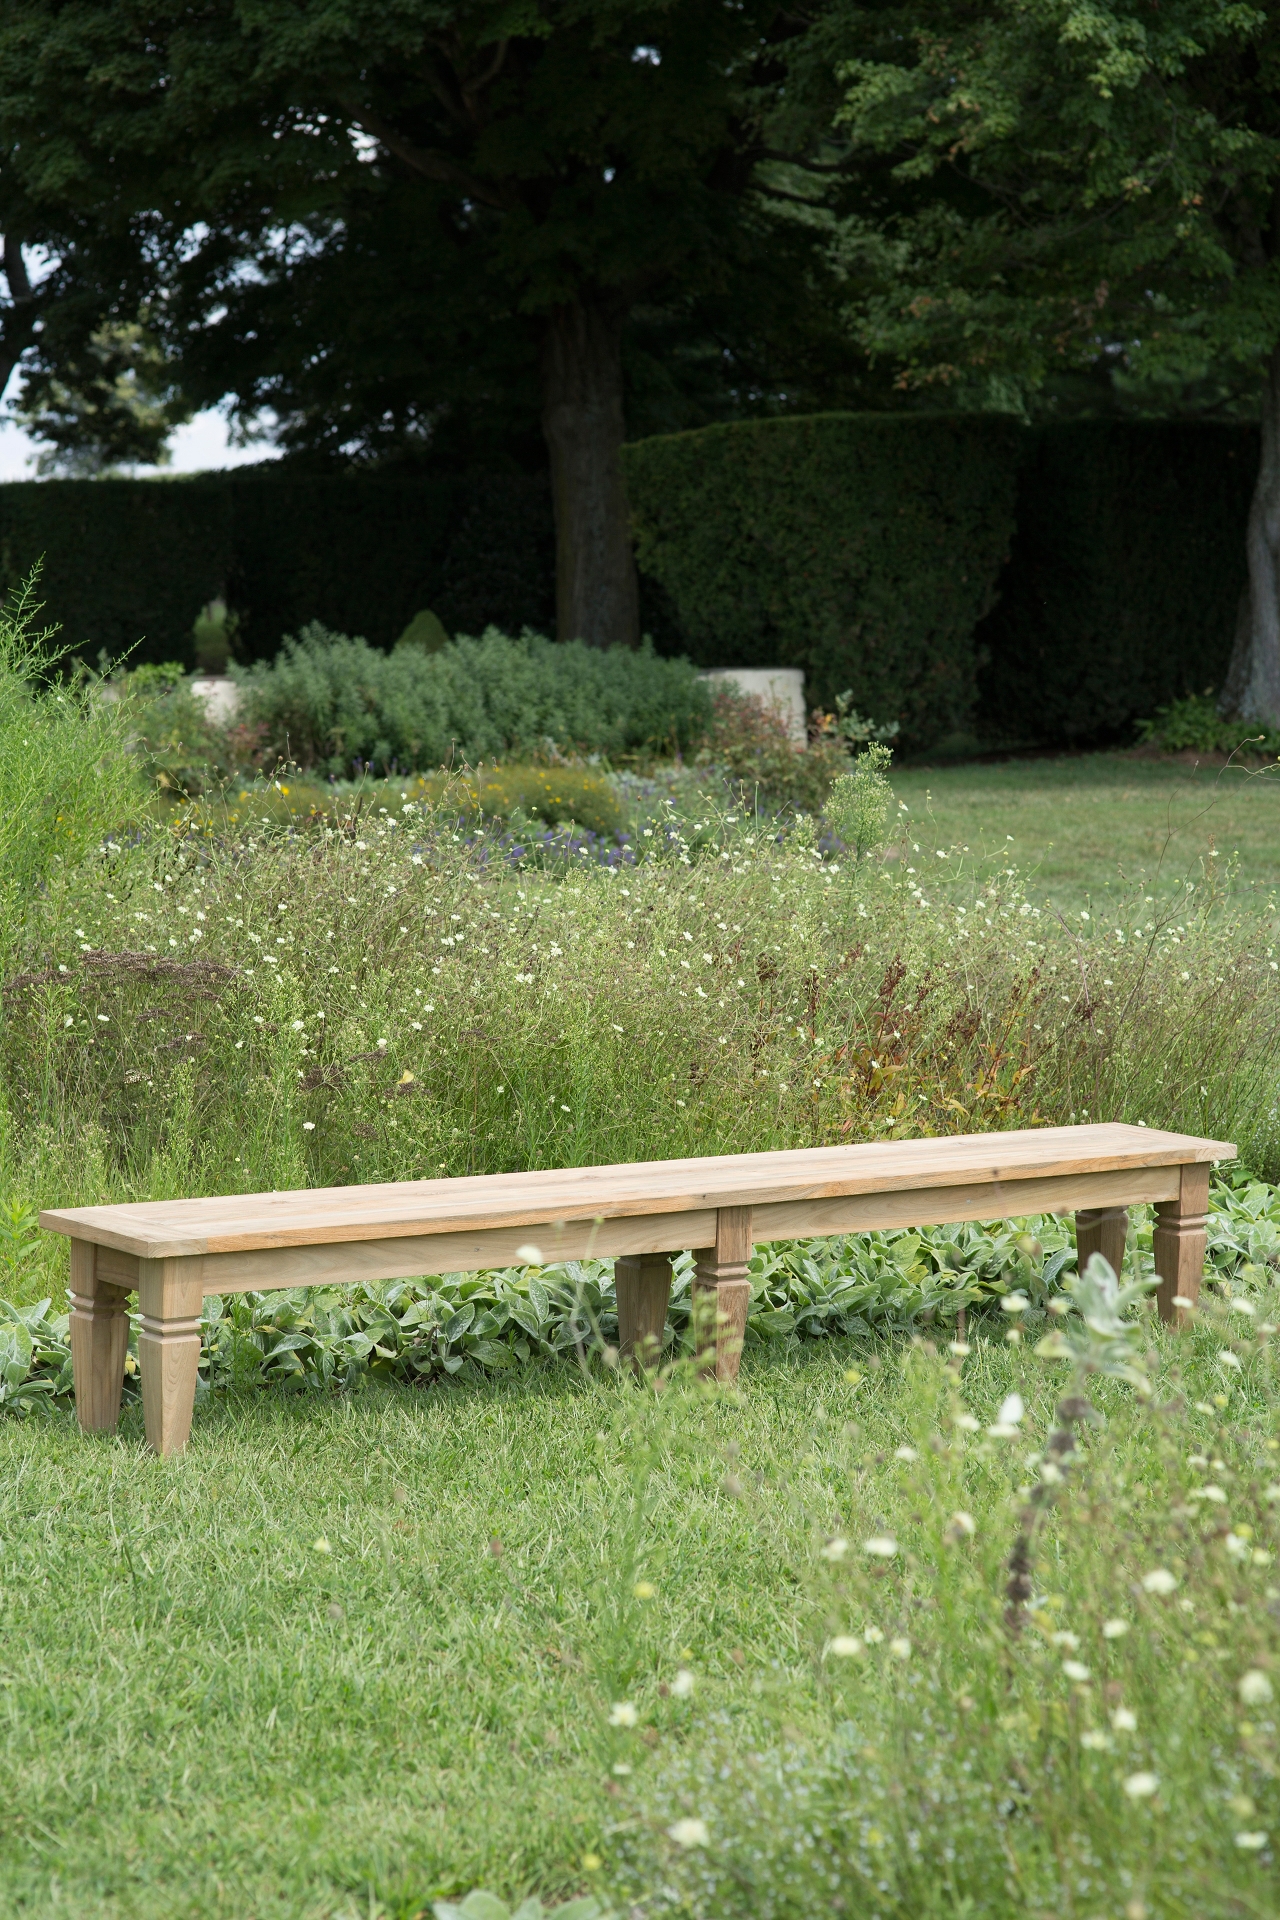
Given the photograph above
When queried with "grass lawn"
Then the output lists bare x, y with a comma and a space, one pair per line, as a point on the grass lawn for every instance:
349, 1653
346, 1654
1086, 825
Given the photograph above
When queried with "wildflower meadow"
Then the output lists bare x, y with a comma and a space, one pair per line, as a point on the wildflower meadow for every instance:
965, 1603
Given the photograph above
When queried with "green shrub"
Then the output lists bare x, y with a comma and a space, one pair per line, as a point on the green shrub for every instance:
749, 741
861, 547
1122, 585
128, 564
329, 701
553, 794
1195, 725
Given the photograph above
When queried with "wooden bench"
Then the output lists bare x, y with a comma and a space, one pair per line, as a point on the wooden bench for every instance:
173, 1252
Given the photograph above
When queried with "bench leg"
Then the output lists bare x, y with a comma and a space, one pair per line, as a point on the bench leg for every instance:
170, 1295
1102, 1230
1179, 1243
722, 1294
99, 1341
643, 1282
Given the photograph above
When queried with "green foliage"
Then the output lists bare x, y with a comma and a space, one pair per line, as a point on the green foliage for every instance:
610, 149
425, 631
214, 635
551, 794
860, 802
1195, 725
1125, 572
1108, 251
19, 1240
328, 701
1105, 1339
182, 752
67, 778
128, 564
387, 997
35, 1358
486, 1906
749, 742
1122, 1732
113, 404
861, 547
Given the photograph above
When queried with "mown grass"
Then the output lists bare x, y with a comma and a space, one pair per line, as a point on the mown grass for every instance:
351, 1652
1087, 827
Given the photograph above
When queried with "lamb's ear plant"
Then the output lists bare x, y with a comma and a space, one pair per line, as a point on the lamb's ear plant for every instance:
1100, 1341
487, 1906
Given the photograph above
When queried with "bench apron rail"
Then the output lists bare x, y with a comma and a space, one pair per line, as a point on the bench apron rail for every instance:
172, 1253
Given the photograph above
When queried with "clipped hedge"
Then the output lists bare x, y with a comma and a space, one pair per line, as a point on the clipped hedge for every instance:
861, 547
335, 703
129, 563
1126, 568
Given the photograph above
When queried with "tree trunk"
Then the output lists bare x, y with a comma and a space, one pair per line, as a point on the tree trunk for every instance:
582, 419
1252, 689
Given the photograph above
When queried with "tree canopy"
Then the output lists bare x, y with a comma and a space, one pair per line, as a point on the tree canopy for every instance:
406, 226
1085, 187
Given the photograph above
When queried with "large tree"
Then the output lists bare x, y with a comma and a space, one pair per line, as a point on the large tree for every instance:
481, 194
1082, 186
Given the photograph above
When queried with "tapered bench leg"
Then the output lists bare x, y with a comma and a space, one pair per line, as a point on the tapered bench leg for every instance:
1102, 1230
170, 1294
643, 1283
1179, 1243
99, 1340
722, 1294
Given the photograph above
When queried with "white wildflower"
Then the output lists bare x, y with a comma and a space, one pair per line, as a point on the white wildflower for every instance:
622, 1714
1141, 1786
881, 1546
834, 1550
1114, 1629
1255, 1688
683, 1684
690, 1833
845, 1646
1124, 1720
1159, 1580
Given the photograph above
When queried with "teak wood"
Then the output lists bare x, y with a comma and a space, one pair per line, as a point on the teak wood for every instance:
173, 1252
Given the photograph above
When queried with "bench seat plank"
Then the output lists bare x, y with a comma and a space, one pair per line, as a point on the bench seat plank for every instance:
325, 1216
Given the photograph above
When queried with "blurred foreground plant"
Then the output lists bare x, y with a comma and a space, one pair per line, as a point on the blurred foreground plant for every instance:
1102, 1341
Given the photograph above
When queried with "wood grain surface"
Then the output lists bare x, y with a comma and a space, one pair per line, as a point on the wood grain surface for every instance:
327, 1216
